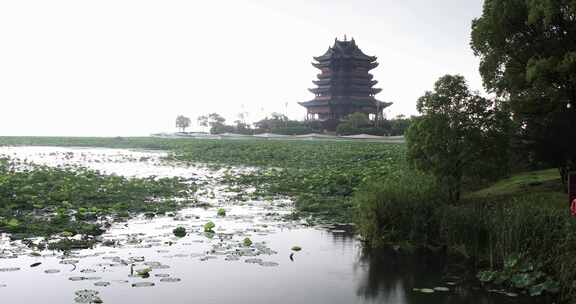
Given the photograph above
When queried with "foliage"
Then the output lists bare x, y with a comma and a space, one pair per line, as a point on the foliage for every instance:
397, 208
358, 123
179, 231
182, 122
528, 54
398, 125
221, 212
209, 226
519, 273
320, 175
216, 123
247, 242
41, 200
280, 124
460, 135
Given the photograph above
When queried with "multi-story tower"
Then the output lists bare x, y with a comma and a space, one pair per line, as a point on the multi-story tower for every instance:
344, 85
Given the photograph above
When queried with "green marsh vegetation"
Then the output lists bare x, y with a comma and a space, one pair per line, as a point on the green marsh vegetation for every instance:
39, 200
321, 176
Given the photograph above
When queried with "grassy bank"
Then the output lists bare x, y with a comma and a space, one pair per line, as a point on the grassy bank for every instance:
517, 233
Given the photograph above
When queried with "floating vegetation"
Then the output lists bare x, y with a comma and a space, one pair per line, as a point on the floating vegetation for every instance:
102, 284
170, 280
179, 232
161, 275
36, 264
208, 227
221, 212
9, 269
143, 284
268, 264
247, 242
50, 200
296, 248
425, 290
51, 271
144, 273
253, 261
87, 296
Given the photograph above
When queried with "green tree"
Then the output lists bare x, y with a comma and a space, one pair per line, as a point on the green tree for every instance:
182, 122
460, 136
358, 120
527, 50
216, 123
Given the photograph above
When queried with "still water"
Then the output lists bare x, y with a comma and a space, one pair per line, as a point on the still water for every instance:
330, 268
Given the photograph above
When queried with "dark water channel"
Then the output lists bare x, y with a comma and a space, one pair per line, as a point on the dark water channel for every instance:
330, 268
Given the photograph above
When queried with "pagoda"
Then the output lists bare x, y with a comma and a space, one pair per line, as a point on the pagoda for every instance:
344, 86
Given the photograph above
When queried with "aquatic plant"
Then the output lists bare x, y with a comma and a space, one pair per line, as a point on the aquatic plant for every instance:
40, 200
221, 212
208, 227
247, 242
179, 231
296, 248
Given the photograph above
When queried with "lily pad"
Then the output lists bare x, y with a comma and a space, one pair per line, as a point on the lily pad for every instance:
253, 261
143, 284
75, 279
102, 284
87, 296
427, 290
51, 271
296, 248
170, 280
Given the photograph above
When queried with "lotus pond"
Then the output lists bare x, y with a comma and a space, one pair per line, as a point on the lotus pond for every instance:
216, 244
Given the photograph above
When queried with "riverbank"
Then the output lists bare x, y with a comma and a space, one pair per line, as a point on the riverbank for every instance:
516, 233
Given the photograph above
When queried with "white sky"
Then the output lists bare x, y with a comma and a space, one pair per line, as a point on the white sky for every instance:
129, 67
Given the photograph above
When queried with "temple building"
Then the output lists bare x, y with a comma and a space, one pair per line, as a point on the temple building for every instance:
344, 85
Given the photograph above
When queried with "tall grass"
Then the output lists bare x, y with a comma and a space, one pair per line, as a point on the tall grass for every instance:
400, 207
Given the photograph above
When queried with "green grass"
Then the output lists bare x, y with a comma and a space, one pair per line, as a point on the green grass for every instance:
545, 184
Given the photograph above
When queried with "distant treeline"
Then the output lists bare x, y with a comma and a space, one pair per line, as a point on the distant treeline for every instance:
356, 123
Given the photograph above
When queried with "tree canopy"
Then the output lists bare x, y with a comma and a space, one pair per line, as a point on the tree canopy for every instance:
460, 135
528, 55
182, 122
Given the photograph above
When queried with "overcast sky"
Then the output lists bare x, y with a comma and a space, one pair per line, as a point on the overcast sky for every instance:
129, 67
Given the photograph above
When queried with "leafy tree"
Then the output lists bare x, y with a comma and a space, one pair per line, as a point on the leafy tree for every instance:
459, 136
528, 54
398, 125
182, 122
275, 121
358, 120
216, 123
